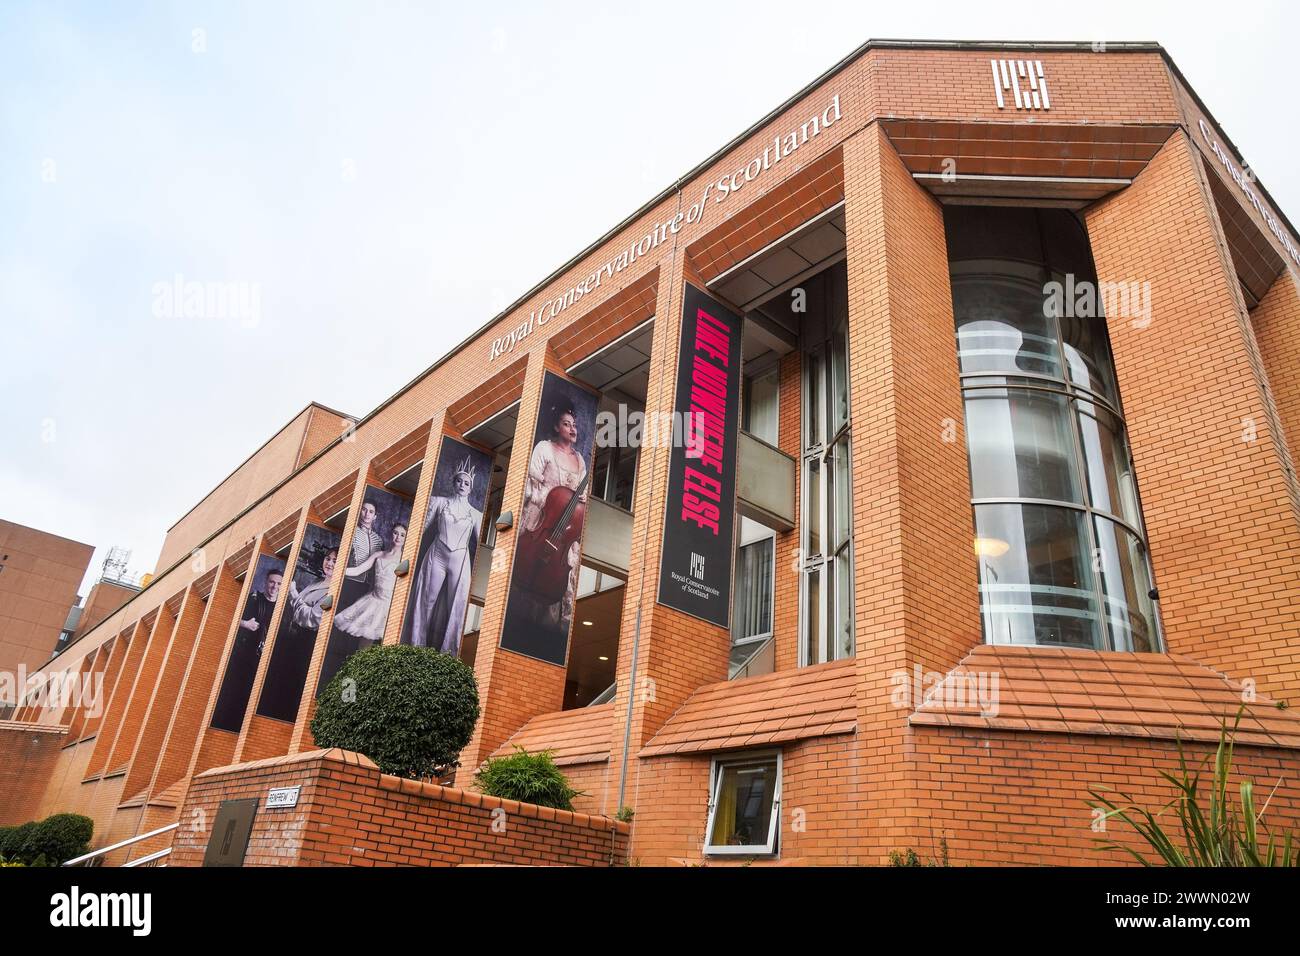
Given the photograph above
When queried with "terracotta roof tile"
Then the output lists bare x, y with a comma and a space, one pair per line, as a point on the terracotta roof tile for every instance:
774, 708
573, 736
1064, 690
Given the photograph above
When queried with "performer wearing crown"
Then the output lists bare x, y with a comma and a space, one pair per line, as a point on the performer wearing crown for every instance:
440, 592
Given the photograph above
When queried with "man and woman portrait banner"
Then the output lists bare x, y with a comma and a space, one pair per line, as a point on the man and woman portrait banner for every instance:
366, 596
286, 672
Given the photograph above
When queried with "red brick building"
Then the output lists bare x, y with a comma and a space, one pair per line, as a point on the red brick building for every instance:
1015, 501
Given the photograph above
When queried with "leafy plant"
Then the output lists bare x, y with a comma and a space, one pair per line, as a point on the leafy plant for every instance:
409, 709
909, 857
625, 815
1222, 833
528, 778
47, 842
59, 838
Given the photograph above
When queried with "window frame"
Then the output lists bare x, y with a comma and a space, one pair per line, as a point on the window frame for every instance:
716, 768
1075, 397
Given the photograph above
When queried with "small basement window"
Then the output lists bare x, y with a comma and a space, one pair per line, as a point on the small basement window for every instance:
745, 808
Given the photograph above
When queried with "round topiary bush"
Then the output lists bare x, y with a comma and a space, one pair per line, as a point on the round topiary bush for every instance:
59, 838
528, 778
13, 841
409, 709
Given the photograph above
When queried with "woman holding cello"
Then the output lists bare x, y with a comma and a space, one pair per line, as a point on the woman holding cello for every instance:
555, 463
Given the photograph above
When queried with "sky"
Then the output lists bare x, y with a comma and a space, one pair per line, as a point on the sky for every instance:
379, 179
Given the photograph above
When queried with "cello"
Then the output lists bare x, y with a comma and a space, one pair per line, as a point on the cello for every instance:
542, 555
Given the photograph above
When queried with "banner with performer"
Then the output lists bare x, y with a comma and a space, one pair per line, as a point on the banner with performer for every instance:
548, 550
439, 597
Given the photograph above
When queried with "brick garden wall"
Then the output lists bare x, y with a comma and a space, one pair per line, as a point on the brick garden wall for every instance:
349, 814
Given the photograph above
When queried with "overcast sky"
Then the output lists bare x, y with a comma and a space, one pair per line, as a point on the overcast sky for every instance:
389, 177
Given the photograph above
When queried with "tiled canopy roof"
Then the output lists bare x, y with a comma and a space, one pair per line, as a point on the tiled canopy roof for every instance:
1062, 690
775, 708
572, 736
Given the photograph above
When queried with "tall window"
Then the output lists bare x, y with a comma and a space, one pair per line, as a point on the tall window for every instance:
751, 615
760, 407
826, 556
1058, 531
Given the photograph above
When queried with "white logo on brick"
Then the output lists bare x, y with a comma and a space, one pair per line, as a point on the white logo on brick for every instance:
1024, 80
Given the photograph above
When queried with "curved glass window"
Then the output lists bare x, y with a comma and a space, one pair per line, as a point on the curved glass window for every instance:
1058, 530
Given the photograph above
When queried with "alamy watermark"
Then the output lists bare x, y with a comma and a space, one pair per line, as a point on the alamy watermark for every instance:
181, 298
53, 691
961, 690
1084, 299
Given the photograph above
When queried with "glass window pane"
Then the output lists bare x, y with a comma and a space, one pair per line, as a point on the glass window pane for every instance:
1036, 584
1126, 581
839, 393
1021, 445
744, 798
752, 615
1001, 327
813, 617
762, 406
1087, 354
813, 507
1110, 470
842, 498
844, 604
812, 430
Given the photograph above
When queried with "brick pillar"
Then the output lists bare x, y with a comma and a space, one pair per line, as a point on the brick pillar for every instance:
1276, 321
112, 674
137, 704
181, 745
1207, 448
512, 688
217, 747
96, 684
107, 728
915, 588
259, 736
671, 654
165, 698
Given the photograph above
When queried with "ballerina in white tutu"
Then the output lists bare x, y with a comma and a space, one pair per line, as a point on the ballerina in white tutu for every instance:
366, 618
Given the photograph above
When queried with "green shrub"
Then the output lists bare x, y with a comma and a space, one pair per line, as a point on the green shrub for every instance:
13, 841
409, 709
1217, 834
59, 838
528, 778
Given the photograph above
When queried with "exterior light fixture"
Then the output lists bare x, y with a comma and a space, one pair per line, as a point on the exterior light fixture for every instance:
505, 521
403, 568
991, 547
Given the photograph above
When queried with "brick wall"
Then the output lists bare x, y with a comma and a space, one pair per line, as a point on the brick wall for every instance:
28, 755
1219, 500
348, 814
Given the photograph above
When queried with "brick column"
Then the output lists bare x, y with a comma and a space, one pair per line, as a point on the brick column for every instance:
671, 654
1207, 448
512, 688
199, 684
216, 747
166, 695
117, 704
916, 598
1276, 321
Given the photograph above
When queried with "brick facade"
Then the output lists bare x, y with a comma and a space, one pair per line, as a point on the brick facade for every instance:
1211, 396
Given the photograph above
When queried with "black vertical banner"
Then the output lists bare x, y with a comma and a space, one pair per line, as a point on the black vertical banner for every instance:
695, 566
